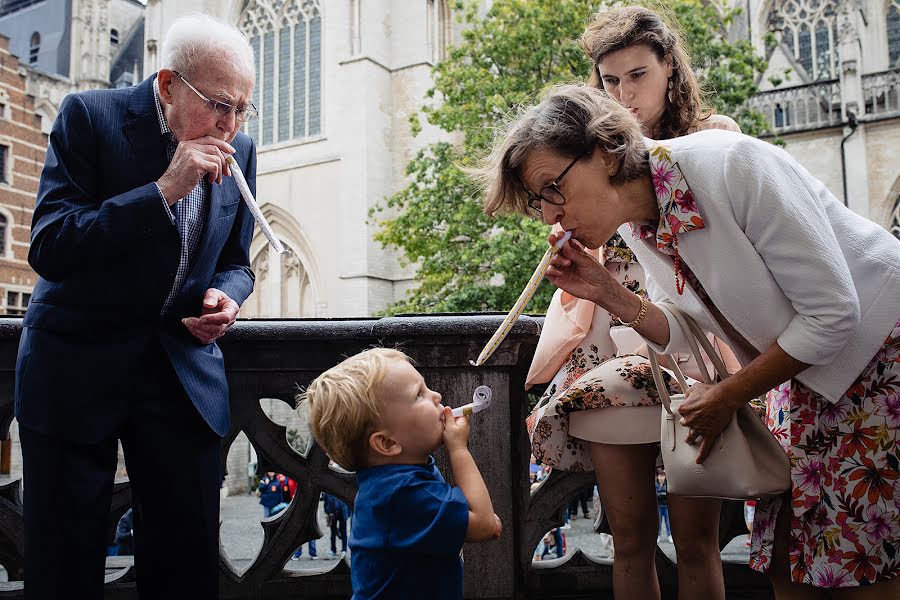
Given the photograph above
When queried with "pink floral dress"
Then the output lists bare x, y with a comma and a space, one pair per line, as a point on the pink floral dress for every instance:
845, 456
565, 394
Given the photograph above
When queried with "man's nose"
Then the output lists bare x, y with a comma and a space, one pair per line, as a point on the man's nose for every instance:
228, 123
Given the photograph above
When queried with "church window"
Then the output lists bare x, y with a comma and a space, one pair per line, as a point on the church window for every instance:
35, 48
286, 36
809, 32
893, 33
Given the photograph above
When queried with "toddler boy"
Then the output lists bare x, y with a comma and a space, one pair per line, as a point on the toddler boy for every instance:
374, 414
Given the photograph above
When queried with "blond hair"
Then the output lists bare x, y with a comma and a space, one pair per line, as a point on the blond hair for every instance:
572, 120
343, 408
622, 27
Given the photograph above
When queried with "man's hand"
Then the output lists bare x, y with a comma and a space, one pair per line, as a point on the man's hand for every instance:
192, 160
218, 315
456, 430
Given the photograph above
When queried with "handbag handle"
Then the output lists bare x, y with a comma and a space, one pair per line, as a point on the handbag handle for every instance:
694, 334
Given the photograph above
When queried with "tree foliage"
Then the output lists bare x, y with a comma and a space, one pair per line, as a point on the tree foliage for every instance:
470, 262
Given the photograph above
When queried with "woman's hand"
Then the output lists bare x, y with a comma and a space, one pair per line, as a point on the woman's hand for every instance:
706, 413
575, 271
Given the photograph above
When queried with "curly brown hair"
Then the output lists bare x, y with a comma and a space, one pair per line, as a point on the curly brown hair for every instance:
621, 27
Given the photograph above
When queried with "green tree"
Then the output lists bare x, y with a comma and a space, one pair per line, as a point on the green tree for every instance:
466, 260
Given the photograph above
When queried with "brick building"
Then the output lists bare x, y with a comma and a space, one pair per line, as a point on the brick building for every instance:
22, 149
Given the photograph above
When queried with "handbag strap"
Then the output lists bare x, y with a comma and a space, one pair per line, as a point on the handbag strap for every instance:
694, 334
661, 387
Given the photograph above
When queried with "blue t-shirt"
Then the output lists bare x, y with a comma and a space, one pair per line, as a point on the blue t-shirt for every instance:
408, 529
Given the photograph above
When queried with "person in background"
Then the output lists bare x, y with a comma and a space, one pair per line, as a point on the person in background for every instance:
662, 506
337, 513
271, 492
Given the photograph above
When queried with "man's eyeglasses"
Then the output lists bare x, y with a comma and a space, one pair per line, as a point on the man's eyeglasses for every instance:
248, 113
550, 192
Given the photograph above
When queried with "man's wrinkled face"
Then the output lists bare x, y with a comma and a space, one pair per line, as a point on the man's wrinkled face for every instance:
189, 116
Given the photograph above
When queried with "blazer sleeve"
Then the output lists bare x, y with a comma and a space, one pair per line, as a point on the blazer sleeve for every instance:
233, 274
71, 225
779, 207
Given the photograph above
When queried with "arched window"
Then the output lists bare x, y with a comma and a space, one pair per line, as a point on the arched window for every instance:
35, 48
894, 226
286, 36
809, 32
893, 33
283, 288
114, 37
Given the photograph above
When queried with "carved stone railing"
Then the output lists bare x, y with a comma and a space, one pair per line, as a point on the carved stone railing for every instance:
881, 92
269, 359
800, 108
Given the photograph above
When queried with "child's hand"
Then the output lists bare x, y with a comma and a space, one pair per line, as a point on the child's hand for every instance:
456, 430
499, 531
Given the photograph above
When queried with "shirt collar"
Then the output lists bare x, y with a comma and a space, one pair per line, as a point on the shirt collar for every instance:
678, 211
163, 122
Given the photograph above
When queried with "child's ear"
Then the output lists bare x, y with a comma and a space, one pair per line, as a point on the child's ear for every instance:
383, 444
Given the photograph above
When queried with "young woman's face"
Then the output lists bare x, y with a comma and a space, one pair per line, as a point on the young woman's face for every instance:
638, 80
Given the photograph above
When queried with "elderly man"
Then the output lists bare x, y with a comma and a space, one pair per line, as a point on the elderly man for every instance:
141, 242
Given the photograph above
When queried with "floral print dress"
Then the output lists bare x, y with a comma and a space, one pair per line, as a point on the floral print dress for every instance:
845, 456
845, 468
567, 393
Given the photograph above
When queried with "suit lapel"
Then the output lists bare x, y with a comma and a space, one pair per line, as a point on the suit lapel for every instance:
141, 129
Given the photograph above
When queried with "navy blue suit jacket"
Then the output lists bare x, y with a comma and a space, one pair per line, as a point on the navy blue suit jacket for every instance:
106, 253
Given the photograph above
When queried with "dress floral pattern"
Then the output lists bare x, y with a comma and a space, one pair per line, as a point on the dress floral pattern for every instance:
678, 211
845, 467
845, 456
548, 427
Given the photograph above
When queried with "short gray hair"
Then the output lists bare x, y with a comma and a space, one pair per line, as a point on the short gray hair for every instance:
194, 39
572, 120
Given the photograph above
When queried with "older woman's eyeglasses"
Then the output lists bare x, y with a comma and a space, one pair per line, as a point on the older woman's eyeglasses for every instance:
247, 113
550, 192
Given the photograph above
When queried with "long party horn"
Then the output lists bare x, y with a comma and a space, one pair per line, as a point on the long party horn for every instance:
520, 304
254, 207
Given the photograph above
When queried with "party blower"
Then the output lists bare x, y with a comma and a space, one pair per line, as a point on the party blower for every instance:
481, 399
520, 304
254, 207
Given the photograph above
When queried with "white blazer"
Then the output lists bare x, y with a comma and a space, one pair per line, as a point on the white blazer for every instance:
781, 258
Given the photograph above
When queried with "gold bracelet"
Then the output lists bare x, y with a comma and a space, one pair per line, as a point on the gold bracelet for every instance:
640, 316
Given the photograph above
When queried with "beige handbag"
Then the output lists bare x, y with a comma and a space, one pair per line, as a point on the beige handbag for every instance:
746, 463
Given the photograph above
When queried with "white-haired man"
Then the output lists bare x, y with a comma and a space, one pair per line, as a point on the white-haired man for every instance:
141, 243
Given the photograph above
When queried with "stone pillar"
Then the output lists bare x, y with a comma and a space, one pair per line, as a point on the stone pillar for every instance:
855, 160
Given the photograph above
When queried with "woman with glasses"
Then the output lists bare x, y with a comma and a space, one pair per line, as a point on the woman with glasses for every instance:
738, 235
641, 63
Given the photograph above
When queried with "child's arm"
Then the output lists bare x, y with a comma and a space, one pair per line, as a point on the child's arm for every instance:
484, 524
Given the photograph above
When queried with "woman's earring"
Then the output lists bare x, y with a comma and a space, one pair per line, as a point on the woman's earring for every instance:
669, 94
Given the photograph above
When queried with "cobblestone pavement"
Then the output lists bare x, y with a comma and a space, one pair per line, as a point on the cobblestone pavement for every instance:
581, 535
242, 537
